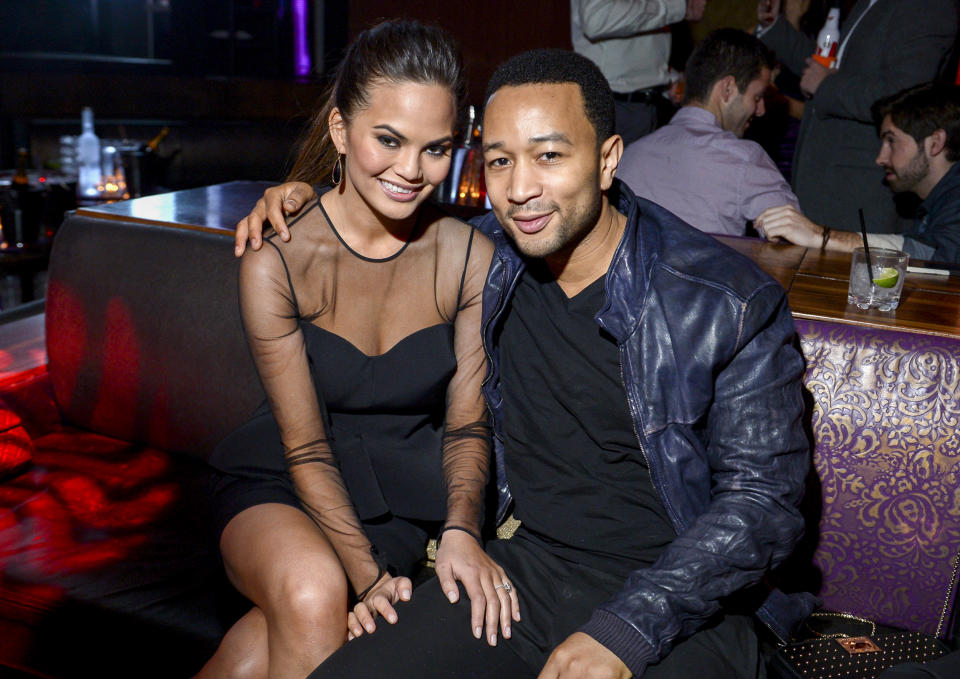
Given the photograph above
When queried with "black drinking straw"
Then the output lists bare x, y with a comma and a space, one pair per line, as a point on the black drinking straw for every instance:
866, 246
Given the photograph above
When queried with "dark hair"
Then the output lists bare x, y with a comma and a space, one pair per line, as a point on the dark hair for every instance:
727, 51
556, 66
923, 109
395, 51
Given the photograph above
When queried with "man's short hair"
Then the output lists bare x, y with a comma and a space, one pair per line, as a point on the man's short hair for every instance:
727, 51
923, 109
556, 66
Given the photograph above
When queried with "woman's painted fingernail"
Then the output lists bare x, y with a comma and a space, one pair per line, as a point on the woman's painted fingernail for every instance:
493, 639
478, 632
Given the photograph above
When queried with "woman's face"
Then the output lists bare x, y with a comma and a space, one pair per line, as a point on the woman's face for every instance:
397, 149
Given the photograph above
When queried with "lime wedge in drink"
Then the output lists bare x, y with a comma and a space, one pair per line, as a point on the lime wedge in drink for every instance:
887, 277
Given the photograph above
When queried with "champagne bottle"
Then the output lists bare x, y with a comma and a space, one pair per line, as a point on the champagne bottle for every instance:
155, 142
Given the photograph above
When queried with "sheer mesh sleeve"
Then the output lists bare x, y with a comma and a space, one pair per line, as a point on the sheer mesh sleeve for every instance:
466, 440
270, 316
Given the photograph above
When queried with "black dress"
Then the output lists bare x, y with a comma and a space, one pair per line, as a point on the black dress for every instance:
372, 368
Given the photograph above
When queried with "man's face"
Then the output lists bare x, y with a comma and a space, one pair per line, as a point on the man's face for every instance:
739, 111
542, 166
904, 161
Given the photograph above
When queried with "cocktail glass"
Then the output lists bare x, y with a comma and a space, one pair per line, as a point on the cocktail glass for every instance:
881, 287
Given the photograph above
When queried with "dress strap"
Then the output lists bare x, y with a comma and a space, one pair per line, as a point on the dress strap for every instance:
466, 261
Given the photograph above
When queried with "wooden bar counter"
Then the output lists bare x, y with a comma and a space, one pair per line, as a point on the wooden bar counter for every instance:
816, 281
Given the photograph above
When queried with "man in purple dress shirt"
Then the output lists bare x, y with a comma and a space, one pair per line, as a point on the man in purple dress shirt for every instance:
698, 166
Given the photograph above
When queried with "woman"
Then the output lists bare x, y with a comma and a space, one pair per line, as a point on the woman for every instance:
365, 329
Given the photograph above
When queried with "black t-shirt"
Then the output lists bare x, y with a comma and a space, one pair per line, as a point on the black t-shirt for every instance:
574, 465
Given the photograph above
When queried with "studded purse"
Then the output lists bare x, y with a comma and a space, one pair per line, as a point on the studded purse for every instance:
846, 655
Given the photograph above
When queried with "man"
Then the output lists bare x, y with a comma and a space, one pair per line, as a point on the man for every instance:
630, 41
698, 166
647, 406
919, 147
885, 46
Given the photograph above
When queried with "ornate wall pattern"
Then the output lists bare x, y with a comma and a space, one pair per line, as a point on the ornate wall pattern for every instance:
885, 423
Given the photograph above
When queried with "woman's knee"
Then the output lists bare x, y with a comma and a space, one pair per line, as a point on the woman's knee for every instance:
311, 597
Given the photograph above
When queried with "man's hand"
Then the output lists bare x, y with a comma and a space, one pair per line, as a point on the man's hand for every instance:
787, 223
277, 201
768, 11
379, 600
813, 76
582, 657
695, 9
460, 557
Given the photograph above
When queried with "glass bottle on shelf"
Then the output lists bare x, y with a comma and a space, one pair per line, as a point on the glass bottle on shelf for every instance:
471, 189
88, 158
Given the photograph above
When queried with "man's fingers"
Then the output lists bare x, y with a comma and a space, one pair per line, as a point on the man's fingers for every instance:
274, 213
240, 237
299, 195
365, 618
383, 606
354, 628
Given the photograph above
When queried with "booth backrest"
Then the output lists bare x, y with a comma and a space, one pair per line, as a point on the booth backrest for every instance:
887, 455
143, 334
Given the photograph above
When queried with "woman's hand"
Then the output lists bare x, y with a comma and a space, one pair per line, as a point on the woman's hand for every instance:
492, 598
378, 601
277, 201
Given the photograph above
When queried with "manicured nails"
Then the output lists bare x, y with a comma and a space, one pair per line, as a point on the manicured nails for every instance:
452, 596
506, 632
478, 632
493, 639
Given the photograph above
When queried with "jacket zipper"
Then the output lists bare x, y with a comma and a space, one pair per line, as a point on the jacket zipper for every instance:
634, 416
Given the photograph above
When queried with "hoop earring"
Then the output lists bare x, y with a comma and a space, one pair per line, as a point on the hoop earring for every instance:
337, 175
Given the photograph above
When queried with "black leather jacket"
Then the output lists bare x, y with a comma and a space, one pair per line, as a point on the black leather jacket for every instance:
713, 380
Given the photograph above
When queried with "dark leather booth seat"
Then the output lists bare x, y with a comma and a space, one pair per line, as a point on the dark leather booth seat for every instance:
107, 564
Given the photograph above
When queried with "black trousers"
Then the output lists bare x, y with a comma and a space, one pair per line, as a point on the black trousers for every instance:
432, 638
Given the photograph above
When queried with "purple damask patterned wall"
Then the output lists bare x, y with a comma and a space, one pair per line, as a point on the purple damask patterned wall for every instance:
887, 454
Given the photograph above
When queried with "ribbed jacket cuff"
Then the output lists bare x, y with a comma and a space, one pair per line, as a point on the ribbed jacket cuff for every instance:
622, 639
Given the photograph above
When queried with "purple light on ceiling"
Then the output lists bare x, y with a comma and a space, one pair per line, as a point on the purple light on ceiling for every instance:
301, 50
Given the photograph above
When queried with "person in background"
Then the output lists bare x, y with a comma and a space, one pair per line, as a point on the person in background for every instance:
647, 404
698, 166
630, 41
366, 336
885, 46
919, 147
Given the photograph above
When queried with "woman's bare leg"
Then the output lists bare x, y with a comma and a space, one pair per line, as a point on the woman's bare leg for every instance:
280, 560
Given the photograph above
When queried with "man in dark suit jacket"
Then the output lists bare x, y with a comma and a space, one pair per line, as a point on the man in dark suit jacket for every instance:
885, 46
